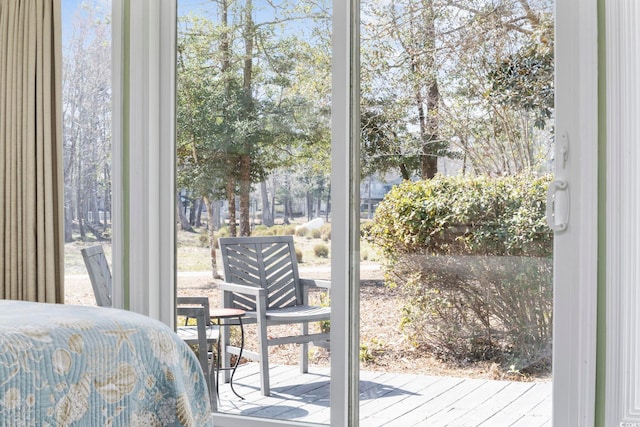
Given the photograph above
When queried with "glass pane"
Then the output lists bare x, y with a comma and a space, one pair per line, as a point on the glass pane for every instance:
457, 130
253, 159
86, 41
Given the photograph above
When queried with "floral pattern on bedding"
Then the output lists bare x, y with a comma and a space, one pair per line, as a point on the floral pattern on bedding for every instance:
66, 365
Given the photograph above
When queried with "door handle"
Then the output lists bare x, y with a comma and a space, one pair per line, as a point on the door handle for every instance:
557, 223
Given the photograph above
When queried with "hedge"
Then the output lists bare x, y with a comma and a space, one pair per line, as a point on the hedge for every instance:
472, 216
473, 259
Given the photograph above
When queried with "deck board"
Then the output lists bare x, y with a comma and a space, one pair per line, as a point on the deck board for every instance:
494, 404
467, 405
388, 399
530, 402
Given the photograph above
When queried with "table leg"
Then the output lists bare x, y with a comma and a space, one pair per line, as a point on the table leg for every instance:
235, 365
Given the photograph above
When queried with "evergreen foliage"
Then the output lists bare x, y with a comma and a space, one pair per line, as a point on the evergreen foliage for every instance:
473, 259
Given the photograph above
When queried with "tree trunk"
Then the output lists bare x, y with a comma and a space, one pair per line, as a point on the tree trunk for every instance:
231, 198
291, 214
326, 213
285, 220
273, 201
192, 212
464, 155
212, 240
68, 224
80, 202
245, 193
106, 211
198, 209
95, 208
429, 131
404, 172
216, 207
430, 135
184, 222
245, 158
267, 215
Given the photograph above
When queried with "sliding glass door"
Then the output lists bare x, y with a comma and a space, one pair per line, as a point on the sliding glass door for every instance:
457, 150
266, 84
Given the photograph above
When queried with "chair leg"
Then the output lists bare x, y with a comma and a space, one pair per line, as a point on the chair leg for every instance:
304, 351
213, 384
203, 356
264, 359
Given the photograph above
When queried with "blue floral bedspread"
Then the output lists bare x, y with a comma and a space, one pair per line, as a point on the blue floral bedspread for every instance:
64, 365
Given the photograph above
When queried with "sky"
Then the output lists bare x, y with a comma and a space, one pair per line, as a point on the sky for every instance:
263, 12
71, 7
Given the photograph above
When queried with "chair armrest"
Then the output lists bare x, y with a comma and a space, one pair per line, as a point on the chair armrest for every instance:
310, 283
241, 289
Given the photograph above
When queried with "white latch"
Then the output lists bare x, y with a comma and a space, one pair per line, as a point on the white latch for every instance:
558, 204
563, 149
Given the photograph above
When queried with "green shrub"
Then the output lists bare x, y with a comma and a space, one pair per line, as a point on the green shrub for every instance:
223, 232
325, 232
284, 230
316, 233
325, 301
471, 216
321, 251
302, 231
260, 230
365, 228
472, 259
203, 238
278, 230
298, 255
369, 351
289, 230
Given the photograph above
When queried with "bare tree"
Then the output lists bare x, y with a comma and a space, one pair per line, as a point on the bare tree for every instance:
444, 79
87, 125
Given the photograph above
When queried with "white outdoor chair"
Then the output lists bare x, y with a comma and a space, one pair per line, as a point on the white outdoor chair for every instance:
99, 274
203, 334
261, 277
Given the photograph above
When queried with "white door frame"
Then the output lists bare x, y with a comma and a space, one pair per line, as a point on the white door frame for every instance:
143, 157
622, 373
144, 180
576, 249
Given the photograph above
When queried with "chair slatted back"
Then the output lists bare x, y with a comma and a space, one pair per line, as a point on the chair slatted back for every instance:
99, 274
267, 262
199, 302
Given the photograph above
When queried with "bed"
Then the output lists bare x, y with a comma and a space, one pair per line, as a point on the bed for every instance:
64, 365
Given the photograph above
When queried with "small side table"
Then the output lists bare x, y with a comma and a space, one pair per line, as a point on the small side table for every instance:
225, 317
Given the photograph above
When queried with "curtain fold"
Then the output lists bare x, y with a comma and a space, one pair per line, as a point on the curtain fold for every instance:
31, 180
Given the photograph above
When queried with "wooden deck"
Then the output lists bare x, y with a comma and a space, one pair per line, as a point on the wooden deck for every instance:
392, 399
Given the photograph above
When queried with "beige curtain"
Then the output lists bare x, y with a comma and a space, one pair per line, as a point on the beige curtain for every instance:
31, 182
